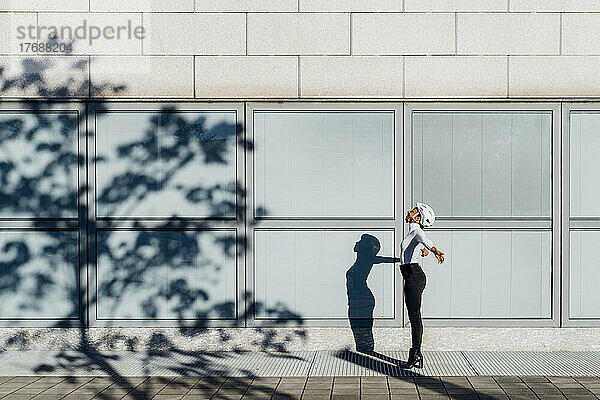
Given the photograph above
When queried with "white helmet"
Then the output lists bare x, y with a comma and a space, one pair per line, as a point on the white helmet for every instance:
426, 213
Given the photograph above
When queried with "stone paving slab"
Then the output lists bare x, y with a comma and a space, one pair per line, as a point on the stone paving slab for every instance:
300, 364
308, 388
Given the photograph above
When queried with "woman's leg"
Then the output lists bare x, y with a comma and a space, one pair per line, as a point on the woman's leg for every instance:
413, 291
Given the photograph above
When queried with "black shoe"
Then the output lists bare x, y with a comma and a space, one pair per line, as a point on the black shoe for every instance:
415, 359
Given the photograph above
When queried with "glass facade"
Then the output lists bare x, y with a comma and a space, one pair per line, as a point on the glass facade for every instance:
39, 275
306, 271
164, 163
490, 274
584, 215
167, 202
39, 156
479, 167
40, 215
247, 214
322, 177
165, 275
324, 164
584, 274
483, 165
584, 152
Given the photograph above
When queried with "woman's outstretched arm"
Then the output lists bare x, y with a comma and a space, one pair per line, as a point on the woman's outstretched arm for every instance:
429, 246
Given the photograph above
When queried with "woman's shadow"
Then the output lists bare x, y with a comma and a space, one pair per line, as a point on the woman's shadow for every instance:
361, 301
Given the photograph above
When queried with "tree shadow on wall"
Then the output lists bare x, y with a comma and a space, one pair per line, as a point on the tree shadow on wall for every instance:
167, 204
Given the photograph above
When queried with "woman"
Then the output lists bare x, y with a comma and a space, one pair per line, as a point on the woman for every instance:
414, 277
361, 301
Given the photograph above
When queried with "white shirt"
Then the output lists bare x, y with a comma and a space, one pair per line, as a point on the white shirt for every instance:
411, 242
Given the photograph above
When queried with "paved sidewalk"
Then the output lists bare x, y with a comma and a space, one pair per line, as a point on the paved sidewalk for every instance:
309, 388
302, 364
310, 375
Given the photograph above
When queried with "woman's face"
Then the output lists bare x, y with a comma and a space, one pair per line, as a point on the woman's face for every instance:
414, 214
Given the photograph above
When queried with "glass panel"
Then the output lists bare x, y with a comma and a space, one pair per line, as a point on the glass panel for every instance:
584, 149
166, 164
483, 164
302, 274
489, 274
39, 275
166, 275
324, 164
38, 165
584, 274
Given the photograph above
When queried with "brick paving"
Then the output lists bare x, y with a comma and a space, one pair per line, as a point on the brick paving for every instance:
309, 388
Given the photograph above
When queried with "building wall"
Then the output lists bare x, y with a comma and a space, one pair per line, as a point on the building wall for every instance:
294, 339
313, 49
544, 52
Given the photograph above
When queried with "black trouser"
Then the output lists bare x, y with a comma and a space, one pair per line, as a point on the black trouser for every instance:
414, 284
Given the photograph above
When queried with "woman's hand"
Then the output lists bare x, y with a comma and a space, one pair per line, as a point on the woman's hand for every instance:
424, 252
438, 254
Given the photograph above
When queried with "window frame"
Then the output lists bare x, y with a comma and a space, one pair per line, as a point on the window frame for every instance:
345, 223
86, 223
572, 223
157, 223
37, 224
306, 107
554, 224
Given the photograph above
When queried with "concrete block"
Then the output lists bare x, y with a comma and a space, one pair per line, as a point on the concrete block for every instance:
142, 5
15, 31
554, 76
554, 5
458, 76
351, 76
455, 5
351, 5
402, 33
197, 34
44, 5
39, 76
298, 34
580, 34
115, 32
142, 76
246, 5
508, 33
246, 76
